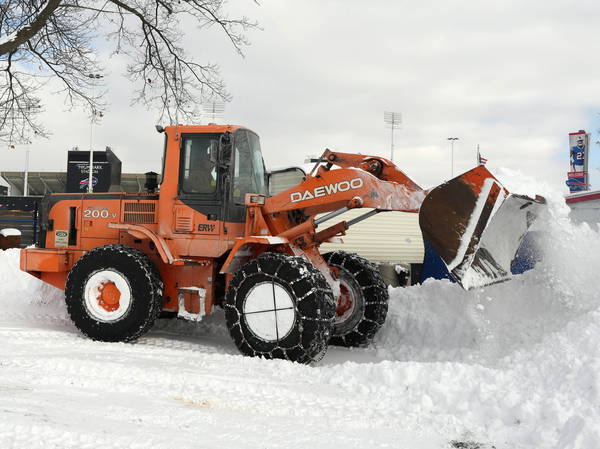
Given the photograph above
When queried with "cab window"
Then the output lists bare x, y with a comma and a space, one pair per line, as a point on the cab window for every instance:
199, 174
249, 171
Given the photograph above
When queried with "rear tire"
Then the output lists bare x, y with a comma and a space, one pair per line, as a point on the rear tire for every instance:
280, 306
114, 293
362, 307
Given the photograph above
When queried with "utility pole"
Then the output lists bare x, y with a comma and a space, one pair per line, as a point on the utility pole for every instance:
392, 120
452, 140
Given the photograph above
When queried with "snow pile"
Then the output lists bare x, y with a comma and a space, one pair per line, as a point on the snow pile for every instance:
514, 365
519, 361
21, 292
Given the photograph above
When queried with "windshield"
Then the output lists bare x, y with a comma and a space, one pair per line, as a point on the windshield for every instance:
249, 174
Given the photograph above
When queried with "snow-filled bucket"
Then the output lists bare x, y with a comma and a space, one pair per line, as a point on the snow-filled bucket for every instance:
476, 226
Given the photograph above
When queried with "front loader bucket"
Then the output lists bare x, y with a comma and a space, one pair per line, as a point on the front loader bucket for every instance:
476, 226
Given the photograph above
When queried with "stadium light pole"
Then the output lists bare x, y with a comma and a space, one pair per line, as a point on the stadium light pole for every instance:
392, 120
452, 140
93, 76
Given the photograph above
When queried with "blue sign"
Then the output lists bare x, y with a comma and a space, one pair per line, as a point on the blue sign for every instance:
578, 161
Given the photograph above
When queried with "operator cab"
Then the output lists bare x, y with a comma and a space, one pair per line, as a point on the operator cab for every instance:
218, 169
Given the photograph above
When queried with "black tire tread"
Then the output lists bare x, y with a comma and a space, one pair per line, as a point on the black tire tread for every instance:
375, 297
315, 308
103, 257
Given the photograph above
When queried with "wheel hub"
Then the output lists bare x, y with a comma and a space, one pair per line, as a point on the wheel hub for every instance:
345, 301
346, 305
109, 296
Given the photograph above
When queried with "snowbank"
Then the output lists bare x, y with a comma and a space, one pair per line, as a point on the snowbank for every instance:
514, 365
519, 361
21, 292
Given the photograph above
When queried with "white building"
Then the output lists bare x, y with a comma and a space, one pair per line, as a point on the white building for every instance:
585, 206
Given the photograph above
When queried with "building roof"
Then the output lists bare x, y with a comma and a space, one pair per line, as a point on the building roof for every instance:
42, 183
581, 197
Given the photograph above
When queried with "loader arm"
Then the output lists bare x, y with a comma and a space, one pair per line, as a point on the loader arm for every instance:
361, 181
380, 167
472, 223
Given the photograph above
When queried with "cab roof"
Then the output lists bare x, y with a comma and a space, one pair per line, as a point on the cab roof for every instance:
201, 129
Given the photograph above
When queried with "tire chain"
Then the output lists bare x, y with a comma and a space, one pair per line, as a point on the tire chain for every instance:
378, 306
317, 350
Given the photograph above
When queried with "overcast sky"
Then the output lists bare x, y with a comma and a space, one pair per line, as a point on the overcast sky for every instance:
514, 77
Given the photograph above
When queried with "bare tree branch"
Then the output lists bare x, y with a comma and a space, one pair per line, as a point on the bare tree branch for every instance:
19, 38
42, 40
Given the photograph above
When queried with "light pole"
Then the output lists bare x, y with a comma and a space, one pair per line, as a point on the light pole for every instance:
93, 76
26, 172
452, 140
30, 109
393, 120
26, 180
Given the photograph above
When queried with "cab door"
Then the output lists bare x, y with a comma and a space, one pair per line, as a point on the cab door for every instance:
198, 209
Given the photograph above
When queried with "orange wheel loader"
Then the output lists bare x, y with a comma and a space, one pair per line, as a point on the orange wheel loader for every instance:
212, 238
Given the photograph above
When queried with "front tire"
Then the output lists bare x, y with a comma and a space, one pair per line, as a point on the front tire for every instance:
114, 293
280, 306
362, 306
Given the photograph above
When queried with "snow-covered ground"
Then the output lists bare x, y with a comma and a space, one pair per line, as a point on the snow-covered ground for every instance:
514, 365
